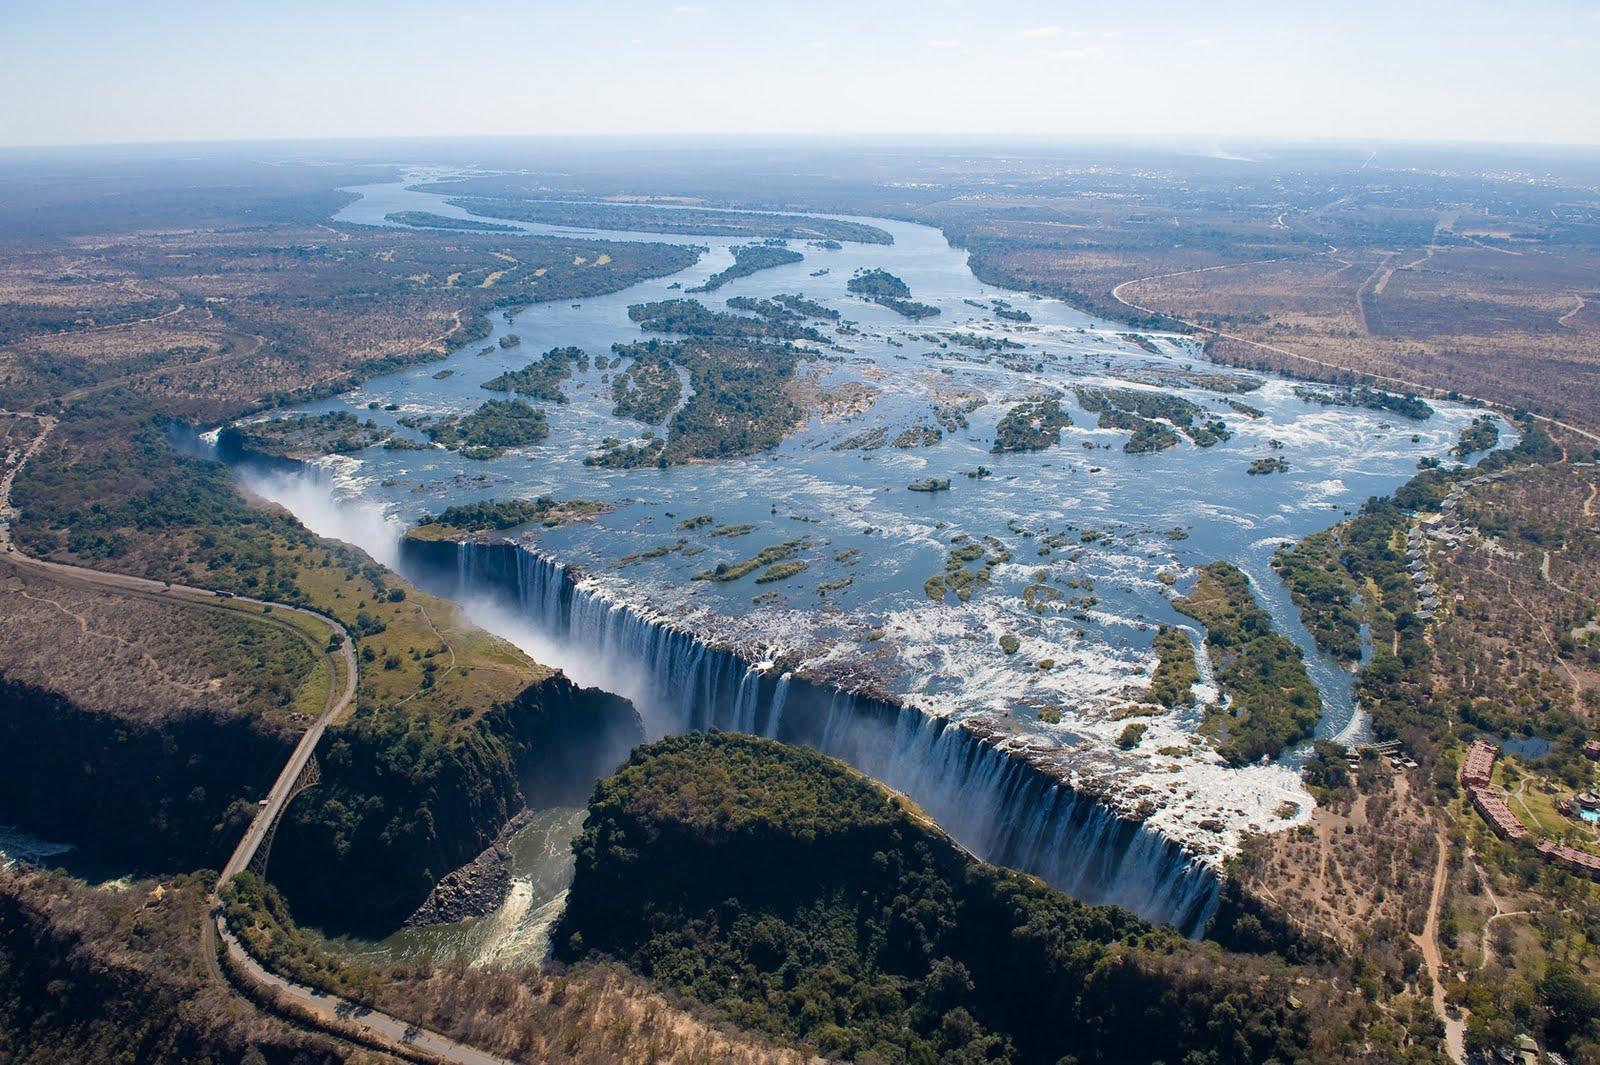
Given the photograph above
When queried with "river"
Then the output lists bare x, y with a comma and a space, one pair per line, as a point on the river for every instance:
1109, 535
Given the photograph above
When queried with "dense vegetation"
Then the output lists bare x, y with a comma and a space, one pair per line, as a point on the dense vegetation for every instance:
809, 308
1138, 409
1145, 436
1032, 425
430, 220
489, 431
1176, 672
1272, 702
800, 899
408, 797
886, 290
693, 318
1481, 434
650, 388
784, 308
541, 379
749, 259
303, 435
878, 283
679, 221
509, 513
1324, 591
110, 480
737, 403
1370, 398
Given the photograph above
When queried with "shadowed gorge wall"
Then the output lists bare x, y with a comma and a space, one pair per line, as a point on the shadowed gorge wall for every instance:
406, 799
146, 795
792, 893
1001, 807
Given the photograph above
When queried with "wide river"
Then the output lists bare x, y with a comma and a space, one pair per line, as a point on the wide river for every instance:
1102, 538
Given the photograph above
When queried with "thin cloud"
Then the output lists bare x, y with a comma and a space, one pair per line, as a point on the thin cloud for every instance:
944, 42
688, 9
1200, 42
1043, 31
1071, 55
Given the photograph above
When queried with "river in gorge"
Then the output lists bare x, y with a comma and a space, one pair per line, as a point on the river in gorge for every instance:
999, 712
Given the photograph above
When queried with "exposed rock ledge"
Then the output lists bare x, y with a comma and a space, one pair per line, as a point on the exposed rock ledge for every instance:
476, 888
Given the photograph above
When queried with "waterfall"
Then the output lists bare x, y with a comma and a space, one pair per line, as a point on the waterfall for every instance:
775, 712
995, 803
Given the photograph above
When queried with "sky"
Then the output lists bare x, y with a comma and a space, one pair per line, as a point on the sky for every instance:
76, 72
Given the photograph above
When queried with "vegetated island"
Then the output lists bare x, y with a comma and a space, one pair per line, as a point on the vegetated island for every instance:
302, 436
693, 318
883, 288
542, 378
488, 432
473, 519
1137, 409
930, 484
783, 306
737, 405
1272, 702
1328, 599
429, 220
749, 259
1261, 467
1176, 671
770, 557
1481, 435
1032, 425
794, 895
1368, 398
681, 221
650, 388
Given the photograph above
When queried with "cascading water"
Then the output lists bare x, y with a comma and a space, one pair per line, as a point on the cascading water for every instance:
996, 803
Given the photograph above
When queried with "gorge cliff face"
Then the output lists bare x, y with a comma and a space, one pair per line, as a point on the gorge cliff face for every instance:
994, 800
790, 892
404, 799
132, 791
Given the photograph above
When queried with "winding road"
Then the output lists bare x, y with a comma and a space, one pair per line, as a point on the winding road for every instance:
330, 1014
1455, 1026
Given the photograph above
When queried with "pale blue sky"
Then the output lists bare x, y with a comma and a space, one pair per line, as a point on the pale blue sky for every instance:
76, 71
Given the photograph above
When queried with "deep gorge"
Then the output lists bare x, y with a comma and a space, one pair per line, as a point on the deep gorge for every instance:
1000, 806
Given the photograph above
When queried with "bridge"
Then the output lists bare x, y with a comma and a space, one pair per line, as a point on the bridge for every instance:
298, 1004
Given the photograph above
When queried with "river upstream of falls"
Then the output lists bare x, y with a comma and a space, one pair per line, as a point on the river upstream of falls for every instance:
1014, 753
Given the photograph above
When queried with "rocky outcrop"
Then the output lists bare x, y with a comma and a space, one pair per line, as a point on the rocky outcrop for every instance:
474, 889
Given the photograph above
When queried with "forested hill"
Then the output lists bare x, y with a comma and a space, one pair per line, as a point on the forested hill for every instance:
801, 899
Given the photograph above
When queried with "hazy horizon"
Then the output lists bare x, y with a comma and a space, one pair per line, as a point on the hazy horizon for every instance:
86, 73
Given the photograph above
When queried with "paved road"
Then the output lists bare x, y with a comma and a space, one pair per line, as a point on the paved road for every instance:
339, 699
332, 1014
339, 696
340, 1016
